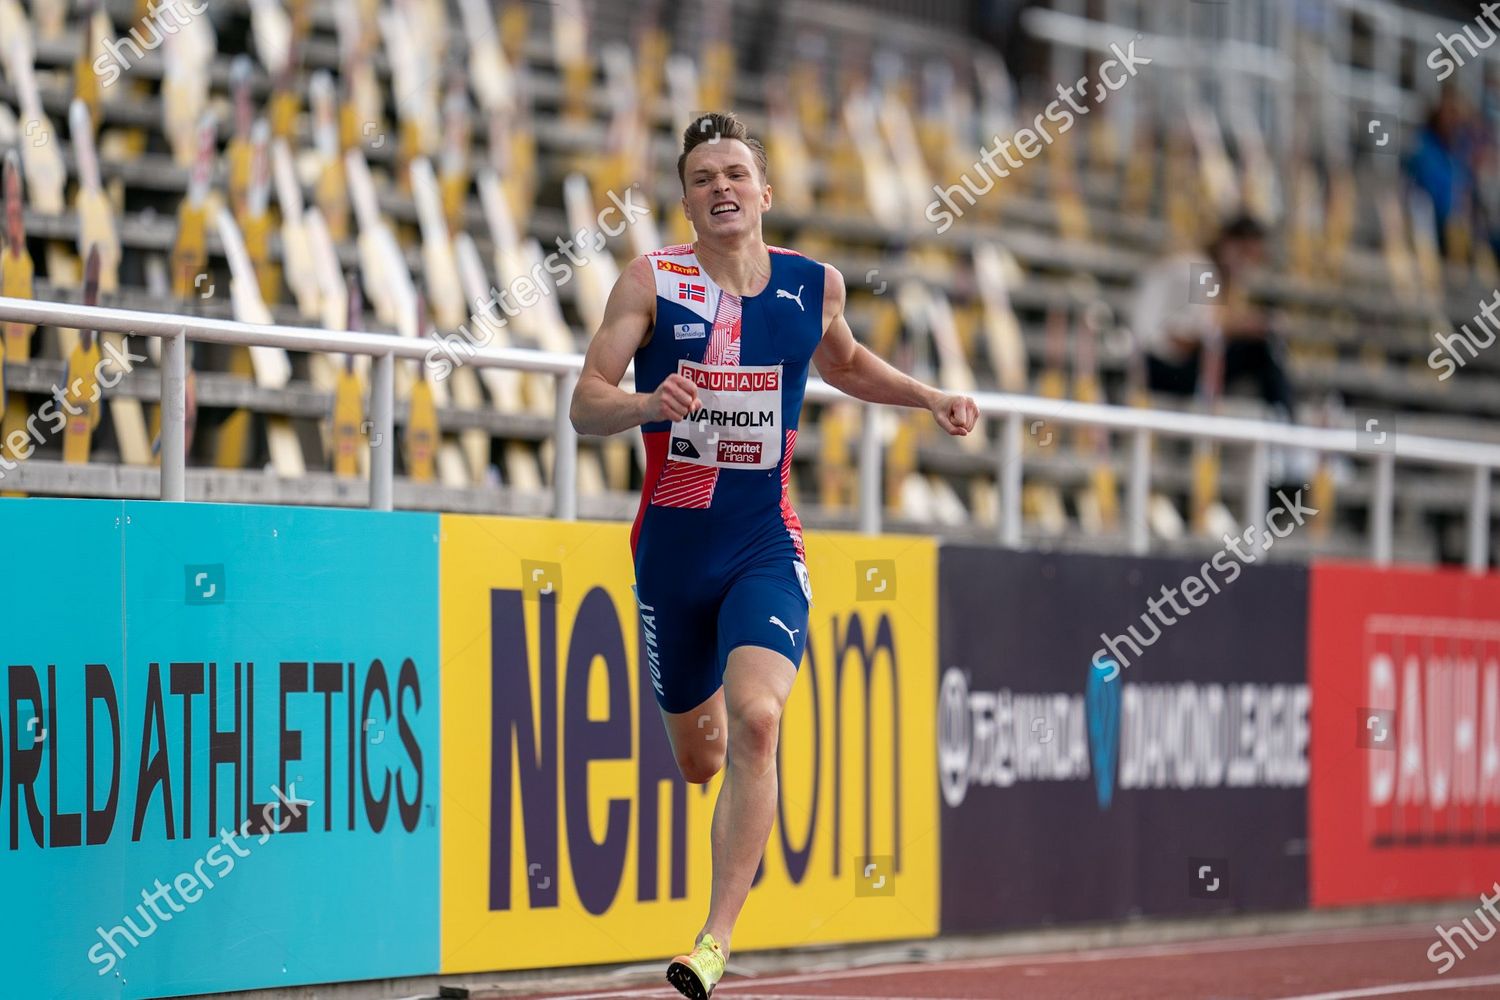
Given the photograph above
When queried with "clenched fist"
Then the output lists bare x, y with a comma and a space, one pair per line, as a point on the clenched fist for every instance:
955, 414
674, 399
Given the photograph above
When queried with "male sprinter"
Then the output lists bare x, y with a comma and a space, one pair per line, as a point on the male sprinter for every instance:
722, 331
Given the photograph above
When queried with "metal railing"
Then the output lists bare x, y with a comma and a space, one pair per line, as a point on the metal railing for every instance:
1012, 410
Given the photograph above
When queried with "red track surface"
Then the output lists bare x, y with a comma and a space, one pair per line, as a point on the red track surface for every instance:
1316, 965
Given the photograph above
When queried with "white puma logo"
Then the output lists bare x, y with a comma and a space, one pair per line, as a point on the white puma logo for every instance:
791, 633
782, 293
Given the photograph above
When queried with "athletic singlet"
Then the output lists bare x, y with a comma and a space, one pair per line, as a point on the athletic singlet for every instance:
748, 357
717, 546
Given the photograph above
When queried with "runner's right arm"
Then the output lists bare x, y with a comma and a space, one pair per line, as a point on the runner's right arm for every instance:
600, 406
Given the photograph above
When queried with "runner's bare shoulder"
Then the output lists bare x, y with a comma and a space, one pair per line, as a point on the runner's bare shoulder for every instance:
833, 294
632, 302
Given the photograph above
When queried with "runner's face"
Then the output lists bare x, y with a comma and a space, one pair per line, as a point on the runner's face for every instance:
725, 194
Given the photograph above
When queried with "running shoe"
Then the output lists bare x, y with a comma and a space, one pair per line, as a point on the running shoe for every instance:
696, 975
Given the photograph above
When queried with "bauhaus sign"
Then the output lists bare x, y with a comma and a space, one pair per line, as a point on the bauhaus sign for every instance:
1405, 668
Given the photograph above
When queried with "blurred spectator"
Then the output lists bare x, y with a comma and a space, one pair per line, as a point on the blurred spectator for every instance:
1175, 308
1442, 163
1487, 162
999, 24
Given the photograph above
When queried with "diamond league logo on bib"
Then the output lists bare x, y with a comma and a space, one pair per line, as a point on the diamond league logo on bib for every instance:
684, 448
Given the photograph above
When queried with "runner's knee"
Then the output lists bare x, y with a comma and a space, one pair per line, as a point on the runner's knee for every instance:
700, 765
753, 727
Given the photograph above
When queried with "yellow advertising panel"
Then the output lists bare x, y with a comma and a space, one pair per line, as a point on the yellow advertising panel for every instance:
568, 834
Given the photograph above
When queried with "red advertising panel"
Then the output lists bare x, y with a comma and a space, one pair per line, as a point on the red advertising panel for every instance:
1405, 674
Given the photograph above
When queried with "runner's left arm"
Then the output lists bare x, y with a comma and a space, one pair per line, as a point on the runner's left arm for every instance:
850, 367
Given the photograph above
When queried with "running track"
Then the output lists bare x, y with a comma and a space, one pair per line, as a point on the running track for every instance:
1316, 965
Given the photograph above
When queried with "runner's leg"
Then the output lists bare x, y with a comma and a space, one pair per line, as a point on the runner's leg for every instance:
756, 685
698, 738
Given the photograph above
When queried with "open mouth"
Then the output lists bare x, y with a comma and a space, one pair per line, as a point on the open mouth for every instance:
724, 208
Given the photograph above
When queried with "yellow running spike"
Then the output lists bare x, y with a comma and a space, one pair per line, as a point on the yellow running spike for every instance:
696, 975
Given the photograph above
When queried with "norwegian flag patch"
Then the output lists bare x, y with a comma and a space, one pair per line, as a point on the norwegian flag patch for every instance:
689, 292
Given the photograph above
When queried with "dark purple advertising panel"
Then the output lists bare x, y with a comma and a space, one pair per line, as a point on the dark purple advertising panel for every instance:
1119, 736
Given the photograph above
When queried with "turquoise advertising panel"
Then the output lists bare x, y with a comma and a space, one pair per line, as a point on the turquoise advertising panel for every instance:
63, 728
273, 818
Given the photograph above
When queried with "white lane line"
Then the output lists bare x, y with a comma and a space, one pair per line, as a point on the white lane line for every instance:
1289, 939
1396, 989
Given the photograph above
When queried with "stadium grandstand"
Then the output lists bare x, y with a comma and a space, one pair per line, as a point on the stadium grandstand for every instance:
1191, 258
349, 145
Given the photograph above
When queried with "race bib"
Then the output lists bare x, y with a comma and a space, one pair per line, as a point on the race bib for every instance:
738, 425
